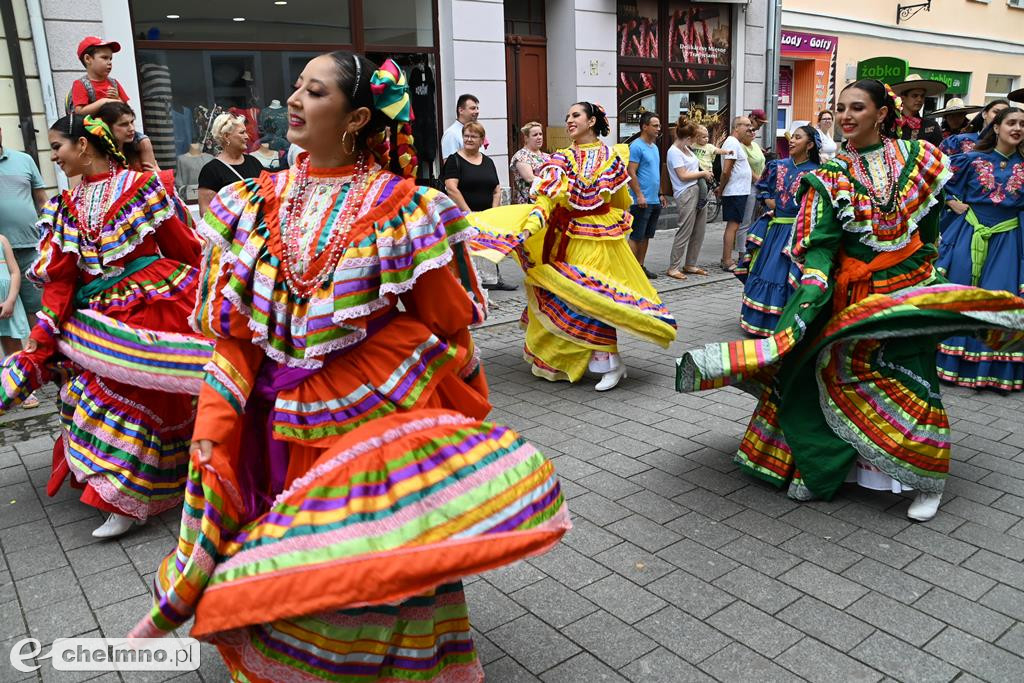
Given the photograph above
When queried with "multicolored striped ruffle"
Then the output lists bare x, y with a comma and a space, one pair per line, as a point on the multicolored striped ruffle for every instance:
925, 172
18, 379
404, 231
401, 505
151, 359
141, 206
586, 183
130, 445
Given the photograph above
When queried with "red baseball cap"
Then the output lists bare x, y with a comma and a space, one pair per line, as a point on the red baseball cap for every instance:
96, 41
755, 114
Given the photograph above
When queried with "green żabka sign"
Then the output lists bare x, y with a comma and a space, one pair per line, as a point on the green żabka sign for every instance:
957, 82
886, 69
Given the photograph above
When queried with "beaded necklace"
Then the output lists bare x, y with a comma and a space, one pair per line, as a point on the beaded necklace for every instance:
92, 201
588, 159
302, 278
884, 196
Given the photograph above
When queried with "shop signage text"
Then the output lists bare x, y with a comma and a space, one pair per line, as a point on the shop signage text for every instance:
795, 41
957, 82
886, 69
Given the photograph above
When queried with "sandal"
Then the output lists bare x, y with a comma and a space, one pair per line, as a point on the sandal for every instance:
694, 270
31, 402
678, 275
728, 267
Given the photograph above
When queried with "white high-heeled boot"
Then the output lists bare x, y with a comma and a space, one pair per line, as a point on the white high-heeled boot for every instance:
611, 379
115, 526
924, 506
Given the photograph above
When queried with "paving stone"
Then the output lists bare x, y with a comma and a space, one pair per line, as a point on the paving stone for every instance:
72, 618
902, 661
636, 564
990, 539
886, 580
19, 505
614, 642
690, 594
1009, 601
967, 652
883, 523
824, 585
27, 536
654, 507
623, 598
582, 667
683, 635
818, 523
957, 579
552, 602
698, 560
67, 511
39, 560
669, 462
980, 514
112, 586
881, 548
739, 663
569, 567
662, 665
100, 557
966, 615
589, 538
997, 567
704, 530
762, 527
818, 662
12, 622
826, 623
755, 629
660, 483
118, 619
532, 643
767, 500
913, 626
620, 464
641, 531
760, 556
821, 551
755, 588
500, 608
486, 651
714, 481
934, 543
508, 669
49, 588
610, 485
708, 504
514, 576
1013, 640
569, 467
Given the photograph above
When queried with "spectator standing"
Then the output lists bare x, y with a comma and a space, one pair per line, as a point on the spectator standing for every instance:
526, 162
828, 143
471, 180
21, 198
734, 185
644, 183
467, 111
755, 155
232, 164
684, 172
96, 87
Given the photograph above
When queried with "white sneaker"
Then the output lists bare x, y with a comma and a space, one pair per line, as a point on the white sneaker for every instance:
924, 506
610, 380
115, 526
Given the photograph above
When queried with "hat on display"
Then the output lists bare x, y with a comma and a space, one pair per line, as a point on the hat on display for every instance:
915, 82
1016, 96
955, 106
96, 41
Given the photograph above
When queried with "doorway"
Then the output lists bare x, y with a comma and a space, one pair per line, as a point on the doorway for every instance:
526, 68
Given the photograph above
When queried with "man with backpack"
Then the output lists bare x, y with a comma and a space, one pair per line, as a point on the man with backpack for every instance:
95, 88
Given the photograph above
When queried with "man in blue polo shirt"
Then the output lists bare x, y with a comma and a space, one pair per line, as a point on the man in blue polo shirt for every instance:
21, 197
645, 186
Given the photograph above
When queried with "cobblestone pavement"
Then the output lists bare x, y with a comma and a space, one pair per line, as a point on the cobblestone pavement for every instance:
678, 567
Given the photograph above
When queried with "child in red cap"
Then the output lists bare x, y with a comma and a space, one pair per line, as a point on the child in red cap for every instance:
95, 88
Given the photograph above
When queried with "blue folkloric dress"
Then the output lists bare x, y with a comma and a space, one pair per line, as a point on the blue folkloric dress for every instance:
768, 272
961, 143
985, 248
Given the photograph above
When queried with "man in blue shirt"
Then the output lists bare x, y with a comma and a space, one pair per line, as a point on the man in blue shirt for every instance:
21, 197
644, 186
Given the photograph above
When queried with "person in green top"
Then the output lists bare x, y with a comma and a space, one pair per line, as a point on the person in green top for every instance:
847, 383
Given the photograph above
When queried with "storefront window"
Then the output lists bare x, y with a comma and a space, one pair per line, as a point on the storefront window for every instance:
996, 86
699, 34
637, 94
297, 21
203, 61
638, 28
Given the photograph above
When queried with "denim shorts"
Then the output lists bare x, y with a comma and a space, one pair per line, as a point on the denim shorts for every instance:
733, 208
645, 221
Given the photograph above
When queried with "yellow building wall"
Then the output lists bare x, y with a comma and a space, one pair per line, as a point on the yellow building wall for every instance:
994, 19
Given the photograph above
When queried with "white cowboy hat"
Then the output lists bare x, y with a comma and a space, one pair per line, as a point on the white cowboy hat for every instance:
915, 82
956, 106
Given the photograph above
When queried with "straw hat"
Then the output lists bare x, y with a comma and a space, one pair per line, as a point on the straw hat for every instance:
915, 82
955, 106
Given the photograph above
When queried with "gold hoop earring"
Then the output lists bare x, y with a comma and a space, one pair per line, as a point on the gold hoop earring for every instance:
351, 149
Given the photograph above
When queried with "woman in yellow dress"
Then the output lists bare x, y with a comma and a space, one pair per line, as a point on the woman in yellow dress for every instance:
582, 282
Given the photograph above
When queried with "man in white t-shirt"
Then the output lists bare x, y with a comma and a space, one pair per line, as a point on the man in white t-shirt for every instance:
734, 185
467, 110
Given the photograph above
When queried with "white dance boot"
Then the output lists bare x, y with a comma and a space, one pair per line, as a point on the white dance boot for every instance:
115, 526
610, 379
924, 506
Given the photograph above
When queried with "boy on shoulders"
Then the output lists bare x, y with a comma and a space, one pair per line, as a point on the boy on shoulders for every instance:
95, 88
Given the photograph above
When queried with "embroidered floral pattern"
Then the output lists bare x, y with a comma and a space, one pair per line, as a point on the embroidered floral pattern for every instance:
998, 192
1015, 182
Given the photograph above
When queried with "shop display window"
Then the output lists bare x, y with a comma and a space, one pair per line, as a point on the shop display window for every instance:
196, 60
638, 29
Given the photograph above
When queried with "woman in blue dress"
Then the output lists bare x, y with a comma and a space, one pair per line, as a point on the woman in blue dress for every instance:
983, 246
768, 272
962, 143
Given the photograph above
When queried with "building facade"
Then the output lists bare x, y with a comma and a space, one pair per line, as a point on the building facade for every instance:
974, 46
524, 59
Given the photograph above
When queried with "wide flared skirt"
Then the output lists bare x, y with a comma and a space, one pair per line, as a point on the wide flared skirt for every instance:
862, 383
964, 360
349, 575
768, 274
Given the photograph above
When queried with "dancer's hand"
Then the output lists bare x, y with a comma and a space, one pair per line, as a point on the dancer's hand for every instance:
205, 449
959, 208
30, 346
